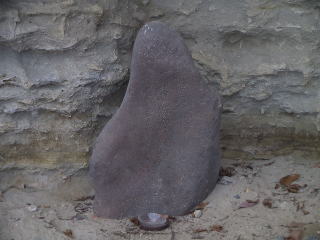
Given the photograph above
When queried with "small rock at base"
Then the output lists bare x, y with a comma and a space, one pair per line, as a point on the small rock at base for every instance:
237, 196
197, 213
32, 208
225, 180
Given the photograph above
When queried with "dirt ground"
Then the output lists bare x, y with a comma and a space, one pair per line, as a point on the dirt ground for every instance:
46, 205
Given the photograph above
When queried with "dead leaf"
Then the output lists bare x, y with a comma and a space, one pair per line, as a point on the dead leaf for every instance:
135, 221
248, 203
287, 180
296, 231
198, 230
216, 228
228, 171
45, 206
295, 235
267, 202
305, 212
294, 188
68, 233
317, 165
172, 218
201, 206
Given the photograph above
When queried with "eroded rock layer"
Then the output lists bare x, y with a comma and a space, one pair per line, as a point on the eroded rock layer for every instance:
63, 66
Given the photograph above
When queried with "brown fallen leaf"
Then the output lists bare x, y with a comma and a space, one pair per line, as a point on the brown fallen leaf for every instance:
45, 206
295, 231
172, 218
135, 221
248, 203
216, 228
267, 202
294, 188
201, 206
295, 235
228, 171
305, 212
287, 180
68, 233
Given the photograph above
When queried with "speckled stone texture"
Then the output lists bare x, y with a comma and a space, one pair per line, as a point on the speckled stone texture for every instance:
160, 152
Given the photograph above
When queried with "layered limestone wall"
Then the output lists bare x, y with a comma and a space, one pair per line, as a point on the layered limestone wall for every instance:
64, 66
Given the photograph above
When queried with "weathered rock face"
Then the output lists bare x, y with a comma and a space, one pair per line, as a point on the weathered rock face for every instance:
60, 63
264, 56
160, 152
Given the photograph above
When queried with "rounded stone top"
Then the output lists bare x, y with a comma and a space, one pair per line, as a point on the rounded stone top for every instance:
156, 40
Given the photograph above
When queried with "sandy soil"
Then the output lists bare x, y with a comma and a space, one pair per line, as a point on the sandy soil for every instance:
45, 205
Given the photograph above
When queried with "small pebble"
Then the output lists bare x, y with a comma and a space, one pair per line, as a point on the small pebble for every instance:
32, 208
225, 180
237, 196
197, 213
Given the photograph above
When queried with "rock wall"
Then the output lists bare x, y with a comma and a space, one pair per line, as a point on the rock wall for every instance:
64, 67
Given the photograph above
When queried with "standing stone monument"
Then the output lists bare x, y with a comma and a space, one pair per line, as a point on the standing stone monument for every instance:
160, 151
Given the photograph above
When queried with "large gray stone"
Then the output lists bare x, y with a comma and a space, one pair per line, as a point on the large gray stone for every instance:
160, 152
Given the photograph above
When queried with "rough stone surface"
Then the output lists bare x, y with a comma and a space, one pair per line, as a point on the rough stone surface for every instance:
160, 152
60, 63
62, 60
